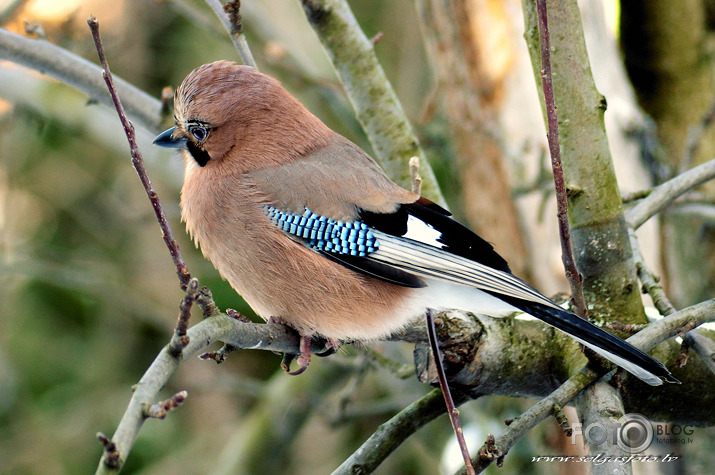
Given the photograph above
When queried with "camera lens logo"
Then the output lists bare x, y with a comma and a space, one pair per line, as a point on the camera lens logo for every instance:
635, 433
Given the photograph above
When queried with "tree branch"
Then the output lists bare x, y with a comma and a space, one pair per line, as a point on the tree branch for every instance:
230, 17
601, 404
81, 74
218, 328
392, 433
645, 340
452, 411
376, 105
663, 195
598, 229
702, 345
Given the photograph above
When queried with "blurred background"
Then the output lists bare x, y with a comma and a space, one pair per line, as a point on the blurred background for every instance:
89, 293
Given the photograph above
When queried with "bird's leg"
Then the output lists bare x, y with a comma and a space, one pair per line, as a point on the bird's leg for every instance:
331, 346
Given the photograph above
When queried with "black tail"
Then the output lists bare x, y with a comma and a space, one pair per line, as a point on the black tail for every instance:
605, 344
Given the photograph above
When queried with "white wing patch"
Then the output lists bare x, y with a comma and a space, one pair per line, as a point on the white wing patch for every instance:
418, 230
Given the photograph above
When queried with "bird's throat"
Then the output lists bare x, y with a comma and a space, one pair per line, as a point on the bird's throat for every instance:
200, 156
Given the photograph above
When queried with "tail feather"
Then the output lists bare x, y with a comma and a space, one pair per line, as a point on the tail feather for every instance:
620, 352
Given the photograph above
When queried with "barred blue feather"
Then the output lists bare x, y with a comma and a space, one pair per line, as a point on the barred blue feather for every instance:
324, 234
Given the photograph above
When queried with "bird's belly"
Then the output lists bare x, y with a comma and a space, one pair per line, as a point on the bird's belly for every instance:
282, 278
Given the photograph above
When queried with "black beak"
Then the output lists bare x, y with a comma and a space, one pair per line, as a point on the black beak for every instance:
166, 139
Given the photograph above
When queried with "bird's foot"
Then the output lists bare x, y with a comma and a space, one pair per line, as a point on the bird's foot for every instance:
303, 359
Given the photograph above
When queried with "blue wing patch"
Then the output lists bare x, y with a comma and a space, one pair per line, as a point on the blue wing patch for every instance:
325, 234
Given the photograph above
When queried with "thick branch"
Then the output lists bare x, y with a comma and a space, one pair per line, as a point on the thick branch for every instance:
376, 104
552, 121
600, 238
645, 340
602, 404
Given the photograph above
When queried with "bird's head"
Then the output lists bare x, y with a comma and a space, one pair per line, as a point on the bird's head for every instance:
233, 115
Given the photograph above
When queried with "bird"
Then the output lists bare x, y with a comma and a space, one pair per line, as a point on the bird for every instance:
311, 232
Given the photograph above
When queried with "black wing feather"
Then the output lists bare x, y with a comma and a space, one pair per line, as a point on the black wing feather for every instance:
456, 238
377, 270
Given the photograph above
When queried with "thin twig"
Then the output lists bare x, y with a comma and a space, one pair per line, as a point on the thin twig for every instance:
664, 194
34, 29
111, 454
218, 328
702, 345
567, 256
138, 161
451, 408
180, 339
161, 409
230, 17
651, 282
562, 420
415, 174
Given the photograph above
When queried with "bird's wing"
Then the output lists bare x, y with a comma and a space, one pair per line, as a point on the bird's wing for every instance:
412, 242
340, 203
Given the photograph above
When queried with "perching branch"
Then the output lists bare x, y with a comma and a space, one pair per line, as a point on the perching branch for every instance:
218, 328
375, 102
79, 73
663, 195
562, 211
230, 17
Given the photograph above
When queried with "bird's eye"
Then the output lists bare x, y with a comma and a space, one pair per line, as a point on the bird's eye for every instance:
199, 132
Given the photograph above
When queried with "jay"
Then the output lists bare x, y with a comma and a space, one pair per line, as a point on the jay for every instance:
309, 230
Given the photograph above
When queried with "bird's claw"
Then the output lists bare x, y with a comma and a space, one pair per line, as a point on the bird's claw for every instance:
303, 359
